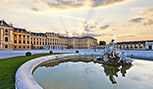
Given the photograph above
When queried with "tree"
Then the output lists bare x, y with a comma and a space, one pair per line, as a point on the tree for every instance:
102, 43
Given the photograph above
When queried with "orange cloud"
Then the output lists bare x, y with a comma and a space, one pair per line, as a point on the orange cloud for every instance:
72, 4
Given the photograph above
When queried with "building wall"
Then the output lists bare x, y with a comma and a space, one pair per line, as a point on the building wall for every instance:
18, 38
6, 37
21, 40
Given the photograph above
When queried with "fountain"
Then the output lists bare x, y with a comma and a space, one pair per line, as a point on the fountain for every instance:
110, 56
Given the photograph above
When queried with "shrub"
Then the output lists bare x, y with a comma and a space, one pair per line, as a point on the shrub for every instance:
50, 51
28, 53
77, 51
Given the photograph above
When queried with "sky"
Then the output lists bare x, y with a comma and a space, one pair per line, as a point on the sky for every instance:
131, 20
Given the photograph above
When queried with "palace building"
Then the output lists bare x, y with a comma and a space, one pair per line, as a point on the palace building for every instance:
17, 38
138, 45
148, 44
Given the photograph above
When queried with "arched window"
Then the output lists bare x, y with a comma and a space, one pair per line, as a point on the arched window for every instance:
6, 39
6, 30
6, 46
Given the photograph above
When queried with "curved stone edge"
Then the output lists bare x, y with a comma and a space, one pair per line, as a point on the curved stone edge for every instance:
24, 78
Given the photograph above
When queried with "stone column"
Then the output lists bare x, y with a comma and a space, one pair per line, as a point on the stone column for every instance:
17, 40
88, 44
21, 39
11, 36
1, 40
26, 39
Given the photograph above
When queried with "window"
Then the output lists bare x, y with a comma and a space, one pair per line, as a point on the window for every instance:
23, 35
6, 33
14, 46
20, 41
15, 41
6, 30
15, 35
23, 46
27, 42
6, 39
6, 46
24, 42
19, 46
27, 36
27, 46
19, 35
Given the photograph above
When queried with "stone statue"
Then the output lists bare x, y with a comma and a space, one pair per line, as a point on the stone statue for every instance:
111, 57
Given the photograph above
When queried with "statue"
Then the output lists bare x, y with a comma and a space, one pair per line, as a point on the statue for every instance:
112, 57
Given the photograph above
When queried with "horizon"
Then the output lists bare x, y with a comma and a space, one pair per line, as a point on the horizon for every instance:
131, 20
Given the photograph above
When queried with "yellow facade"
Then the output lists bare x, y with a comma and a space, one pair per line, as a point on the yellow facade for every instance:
17, 38
6, 36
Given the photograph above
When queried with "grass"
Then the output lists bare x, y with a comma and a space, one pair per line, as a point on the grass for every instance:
9, 66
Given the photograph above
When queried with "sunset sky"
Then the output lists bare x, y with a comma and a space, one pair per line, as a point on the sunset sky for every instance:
131, 20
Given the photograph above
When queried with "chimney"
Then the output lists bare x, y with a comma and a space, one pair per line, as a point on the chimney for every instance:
11, 24
2, 23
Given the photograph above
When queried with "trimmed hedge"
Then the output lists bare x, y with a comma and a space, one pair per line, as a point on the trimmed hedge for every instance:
28, 53
50, 51
77, 51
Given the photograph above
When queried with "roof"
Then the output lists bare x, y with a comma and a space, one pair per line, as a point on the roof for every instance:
134, 42
20, 30
38, 34
3, 23
77, 37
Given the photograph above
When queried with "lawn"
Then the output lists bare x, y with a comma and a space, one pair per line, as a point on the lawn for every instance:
9, 66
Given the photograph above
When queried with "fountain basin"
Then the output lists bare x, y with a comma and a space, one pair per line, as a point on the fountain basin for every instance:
24, 78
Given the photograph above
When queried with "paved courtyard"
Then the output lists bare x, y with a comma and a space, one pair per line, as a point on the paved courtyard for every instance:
14, 53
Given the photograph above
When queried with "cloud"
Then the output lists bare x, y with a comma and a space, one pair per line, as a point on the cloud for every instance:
87, 27
104, 27
64, 4
148, 12
72, 4
136, 20
126, 36
97, 3
36, 10
91, 34
148, 22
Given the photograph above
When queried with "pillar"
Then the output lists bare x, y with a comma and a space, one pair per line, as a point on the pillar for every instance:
1, 40
11, 36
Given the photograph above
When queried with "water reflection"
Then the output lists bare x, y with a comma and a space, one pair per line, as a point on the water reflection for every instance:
55, 62
112, 71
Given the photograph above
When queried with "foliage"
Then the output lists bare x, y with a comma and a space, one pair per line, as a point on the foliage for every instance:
102, 43
77, 51
9, 66
50, 51
28, 53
